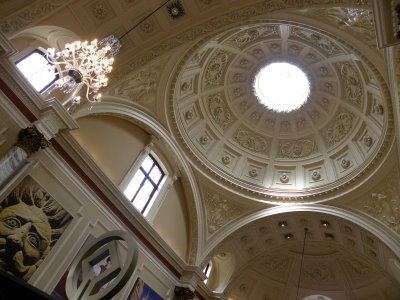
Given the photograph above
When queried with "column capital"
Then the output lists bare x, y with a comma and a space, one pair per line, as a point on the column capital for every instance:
183, 293
31, 140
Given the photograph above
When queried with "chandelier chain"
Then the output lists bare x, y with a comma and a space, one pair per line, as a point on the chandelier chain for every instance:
301, 264
144, 19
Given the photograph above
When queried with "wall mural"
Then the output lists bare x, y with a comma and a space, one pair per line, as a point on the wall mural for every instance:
31, 222
141, 291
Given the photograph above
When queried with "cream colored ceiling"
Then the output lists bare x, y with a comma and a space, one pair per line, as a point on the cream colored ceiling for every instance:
337, 148
342, 261
336, 134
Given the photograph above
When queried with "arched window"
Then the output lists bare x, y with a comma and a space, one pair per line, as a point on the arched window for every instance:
37, 70
145, 184
207, 271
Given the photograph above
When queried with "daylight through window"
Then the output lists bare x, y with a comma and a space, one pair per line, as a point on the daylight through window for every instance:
207, 271
144, 185
37, 70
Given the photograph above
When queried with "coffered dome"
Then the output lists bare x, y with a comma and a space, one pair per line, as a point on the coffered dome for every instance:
336, 136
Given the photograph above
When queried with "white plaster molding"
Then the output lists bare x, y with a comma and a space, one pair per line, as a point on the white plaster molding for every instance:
119, 106
388, 237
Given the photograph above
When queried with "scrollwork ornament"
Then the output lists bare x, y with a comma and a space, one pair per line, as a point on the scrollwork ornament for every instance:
297, 149
219, 111
31, 140
340, 127
251, 141
216, 68
352, 83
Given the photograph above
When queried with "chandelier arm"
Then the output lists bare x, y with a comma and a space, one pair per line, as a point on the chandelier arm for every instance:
301, 264
144, 19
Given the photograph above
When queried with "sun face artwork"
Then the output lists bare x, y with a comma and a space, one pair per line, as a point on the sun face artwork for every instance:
31, 222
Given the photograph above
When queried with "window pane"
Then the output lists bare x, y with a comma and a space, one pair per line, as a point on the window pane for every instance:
37, 70
139, 176
147, 164
141, 199
148, 187
131, 189
155, 174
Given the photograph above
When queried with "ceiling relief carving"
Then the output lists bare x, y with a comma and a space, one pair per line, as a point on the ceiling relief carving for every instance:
249, 36
357, 21
383, 201
297, 148
251, 141
215, 69
258, 8
266, 143
328, 264
219, 111
141, 87
29, 15
321, 42
339, 128
220, 211
352, 83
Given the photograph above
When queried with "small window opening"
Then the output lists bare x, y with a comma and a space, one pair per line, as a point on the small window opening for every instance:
37, 70
145, 183
207, 271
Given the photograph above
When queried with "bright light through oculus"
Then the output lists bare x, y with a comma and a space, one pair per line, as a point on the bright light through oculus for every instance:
282, 87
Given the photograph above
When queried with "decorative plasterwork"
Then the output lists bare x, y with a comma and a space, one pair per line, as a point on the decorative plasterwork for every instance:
141, 87
251, 141
382, 202
352, 84
220, 211
252, 35
30, 15
337, 256
319, 41
357, 21
252, 147
217, 23
297, 148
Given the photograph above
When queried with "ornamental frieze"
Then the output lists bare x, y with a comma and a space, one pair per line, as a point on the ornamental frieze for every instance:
251, 35
357, 21
252, 141
352, 83
317, 40
216, 68
219, 111
297, 149
338, 128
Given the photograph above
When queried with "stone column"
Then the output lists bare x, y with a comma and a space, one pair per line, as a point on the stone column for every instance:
30, 140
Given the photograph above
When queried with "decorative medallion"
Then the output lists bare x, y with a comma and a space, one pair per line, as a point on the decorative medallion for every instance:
175, 10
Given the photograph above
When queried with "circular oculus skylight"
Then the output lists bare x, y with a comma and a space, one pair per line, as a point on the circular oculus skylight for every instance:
282, 87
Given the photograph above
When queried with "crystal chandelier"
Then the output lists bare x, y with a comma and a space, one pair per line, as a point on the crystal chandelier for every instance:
83, 63
86, 64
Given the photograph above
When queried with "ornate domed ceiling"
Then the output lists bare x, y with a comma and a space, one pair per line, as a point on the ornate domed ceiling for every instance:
341, 260
337, 136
